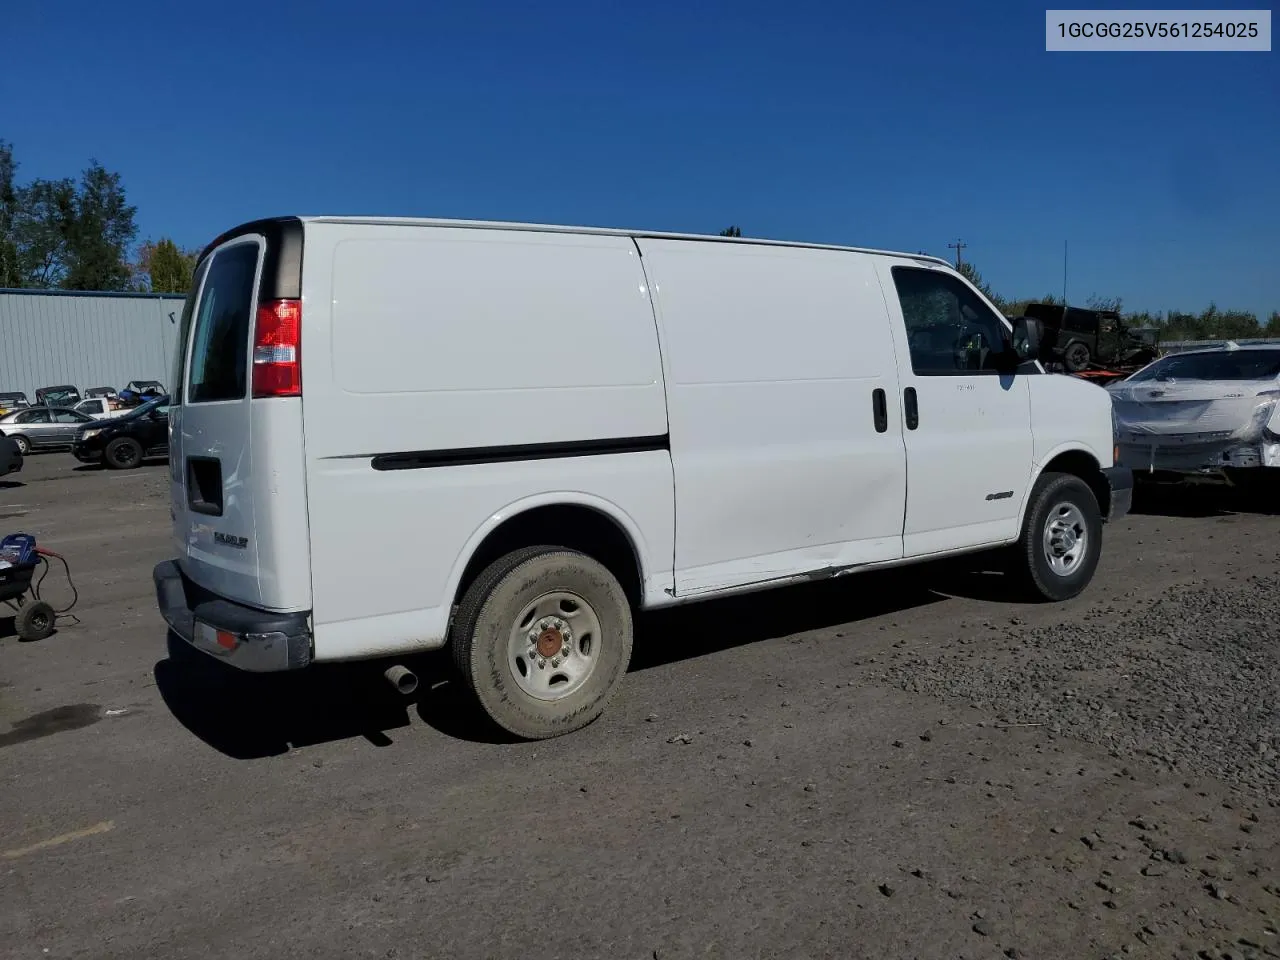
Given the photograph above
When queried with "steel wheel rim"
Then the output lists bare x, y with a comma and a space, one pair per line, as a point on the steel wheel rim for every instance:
1077, 353
554, 645
1066, 539
40, 621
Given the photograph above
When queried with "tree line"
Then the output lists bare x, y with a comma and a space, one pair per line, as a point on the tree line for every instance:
78, 234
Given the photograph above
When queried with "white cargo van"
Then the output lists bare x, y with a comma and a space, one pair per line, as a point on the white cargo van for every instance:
389, 436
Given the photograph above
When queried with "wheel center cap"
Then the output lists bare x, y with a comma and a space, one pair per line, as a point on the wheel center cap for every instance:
549, 642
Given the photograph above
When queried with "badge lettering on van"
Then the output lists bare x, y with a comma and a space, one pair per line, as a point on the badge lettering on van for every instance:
227, 540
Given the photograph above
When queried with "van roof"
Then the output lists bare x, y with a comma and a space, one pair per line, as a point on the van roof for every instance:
557, 228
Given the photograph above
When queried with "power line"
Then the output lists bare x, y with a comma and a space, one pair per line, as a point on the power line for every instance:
957, 247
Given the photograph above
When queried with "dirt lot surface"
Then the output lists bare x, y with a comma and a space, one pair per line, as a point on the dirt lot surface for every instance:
894, 765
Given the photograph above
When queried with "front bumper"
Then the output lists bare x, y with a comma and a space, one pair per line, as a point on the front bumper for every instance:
87, 451
1120, 483
244, 637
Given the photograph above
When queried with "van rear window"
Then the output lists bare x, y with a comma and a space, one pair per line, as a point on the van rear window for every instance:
220, 341
178, 373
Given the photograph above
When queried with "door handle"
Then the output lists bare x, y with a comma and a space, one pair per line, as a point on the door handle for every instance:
911, 408
879, 410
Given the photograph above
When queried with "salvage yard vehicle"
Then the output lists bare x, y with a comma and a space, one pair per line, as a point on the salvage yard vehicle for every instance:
63, 396
124, 441
95, 392
1080, 338
530, 432
146, 388
1214, 411
43, 428
16, 400
102, 408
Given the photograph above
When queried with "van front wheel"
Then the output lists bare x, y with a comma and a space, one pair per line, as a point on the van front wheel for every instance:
1061, 540
543, 637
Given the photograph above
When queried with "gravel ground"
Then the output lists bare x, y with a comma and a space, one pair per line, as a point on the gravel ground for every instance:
1189, 680
909, 764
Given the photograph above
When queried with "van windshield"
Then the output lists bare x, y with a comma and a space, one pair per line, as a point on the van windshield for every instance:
1227, 365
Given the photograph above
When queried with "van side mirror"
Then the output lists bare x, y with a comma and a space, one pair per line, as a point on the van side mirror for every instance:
1028, 333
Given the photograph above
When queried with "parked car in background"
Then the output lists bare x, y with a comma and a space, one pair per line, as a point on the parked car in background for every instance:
1211, 411
122, 443
16, 400
62, 396
43, 428
99, 392
10, 457
101, 408
146, 388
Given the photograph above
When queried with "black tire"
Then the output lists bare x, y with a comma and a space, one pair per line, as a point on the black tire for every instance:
1076, 357
35, 620
24, 445
487, 617
1053, 499
122, 453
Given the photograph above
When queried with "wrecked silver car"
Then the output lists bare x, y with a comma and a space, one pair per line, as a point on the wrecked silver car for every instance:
1211, 411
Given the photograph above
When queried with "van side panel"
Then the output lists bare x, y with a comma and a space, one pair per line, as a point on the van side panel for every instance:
422, 339
774, 356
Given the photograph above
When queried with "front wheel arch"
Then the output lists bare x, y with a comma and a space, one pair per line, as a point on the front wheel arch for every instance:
1078, 463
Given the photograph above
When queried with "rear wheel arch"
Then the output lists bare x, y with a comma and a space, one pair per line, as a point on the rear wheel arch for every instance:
588, 528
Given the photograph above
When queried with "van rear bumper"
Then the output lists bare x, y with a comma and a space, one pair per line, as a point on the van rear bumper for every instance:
244, 637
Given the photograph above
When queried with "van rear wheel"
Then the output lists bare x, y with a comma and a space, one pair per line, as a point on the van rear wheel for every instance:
543, 637
123, 453
1061, 540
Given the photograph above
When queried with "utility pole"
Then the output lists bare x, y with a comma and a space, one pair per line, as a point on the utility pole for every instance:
1064, 273
957, 247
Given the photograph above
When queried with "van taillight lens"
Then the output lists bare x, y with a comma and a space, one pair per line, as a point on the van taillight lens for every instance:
277, 349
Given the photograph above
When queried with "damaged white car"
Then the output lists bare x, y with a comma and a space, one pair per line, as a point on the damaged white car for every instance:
1213, 411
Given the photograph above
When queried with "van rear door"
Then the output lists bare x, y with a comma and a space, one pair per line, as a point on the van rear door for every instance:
237, 471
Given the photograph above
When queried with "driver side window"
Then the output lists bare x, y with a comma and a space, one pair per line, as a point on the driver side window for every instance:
951, 332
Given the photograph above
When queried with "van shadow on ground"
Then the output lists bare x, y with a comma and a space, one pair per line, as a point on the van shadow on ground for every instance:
1199, 499
250, 716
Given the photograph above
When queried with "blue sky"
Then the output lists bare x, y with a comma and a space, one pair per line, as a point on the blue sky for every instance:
895, 125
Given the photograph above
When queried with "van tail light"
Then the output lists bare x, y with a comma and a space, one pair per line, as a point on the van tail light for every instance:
277, 349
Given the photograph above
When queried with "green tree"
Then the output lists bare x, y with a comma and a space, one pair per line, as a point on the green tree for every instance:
60, 233
1272, 329
731, 232
163, 267
10, 270
100, 233
42, 227
967, 270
